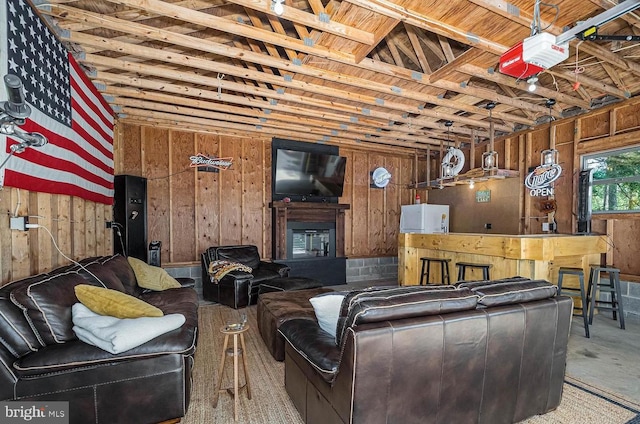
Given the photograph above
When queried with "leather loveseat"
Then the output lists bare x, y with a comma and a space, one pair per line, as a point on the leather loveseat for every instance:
42, 360
238, 289
487, 352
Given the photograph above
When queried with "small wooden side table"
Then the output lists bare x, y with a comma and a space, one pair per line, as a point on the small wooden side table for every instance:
234, 352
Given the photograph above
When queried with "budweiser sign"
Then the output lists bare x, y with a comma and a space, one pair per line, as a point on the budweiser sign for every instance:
206, 163
541, 180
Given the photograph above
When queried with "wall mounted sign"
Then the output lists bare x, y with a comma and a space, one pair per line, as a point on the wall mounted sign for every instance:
540, 180
380, 178
208, 164
483, 196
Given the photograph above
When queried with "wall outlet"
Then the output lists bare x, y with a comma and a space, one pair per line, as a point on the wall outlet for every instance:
19, 223
548, 226
487, 226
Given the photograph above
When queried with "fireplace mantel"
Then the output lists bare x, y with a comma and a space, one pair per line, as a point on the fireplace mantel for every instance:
306, 212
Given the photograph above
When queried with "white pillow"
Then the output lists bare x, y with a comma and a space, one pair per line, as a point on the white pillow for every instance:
327, 309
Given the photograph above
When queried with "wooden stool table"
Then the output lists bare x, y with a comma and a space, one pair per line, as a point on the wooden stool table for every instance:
235, 352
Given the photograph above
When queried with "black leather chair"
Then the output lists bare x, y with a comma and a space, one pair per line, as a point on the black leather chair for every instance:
238, 289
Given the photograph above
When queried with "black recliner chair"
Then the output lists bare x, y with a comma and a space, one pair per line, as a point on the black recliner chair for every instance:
238, 289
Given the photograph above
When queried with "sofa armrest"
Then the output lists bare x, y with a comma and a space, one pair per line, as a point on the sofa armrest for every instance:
281, 269
314, 344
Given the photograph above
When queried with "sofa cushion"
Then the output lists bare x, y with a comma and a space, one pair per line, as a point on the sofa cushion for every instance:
16, 334
47, 305
121, 268
327, 309
114, 303
357, 295
247, 255
152, 277
495, 293
394, 304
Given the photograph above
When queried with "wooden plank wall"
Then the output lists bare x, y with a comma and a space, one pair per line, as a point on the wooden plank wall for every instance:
78, 227
190, 211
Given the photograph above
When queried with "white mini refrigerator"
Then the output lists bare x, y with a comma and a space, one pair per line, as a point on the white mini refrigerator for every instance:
424, 218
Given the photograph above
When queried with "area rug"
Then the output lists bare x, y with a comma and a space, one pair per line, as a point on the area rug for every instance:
270, 403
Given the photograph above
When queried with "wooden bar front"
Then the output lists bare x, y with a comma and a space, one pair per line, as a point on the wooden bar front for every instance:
534, 256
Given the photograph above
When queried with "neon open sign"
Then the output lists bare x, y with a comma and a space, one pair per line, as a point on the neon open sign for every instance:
540, 180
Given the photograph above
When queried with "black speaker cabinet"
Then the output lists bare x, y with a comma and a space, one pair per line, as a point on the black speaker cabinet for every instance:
130, 212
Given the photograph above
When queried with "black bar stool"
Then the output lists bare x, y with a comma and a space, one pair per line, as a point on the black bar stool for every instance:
579, 293
613, 287
462, 269
426, 267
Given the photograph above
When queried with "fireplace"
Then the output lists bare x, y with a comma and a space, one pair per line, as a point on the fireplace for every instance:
308, 240
309, 237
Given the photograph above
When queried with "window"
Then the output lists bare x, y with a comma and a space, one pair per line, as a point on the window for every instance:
616, 180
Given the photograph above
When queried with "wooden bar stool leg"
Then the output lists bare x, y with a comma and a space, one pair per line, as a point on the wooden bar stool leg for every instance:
235, 377
615, 280
461, 270
583, 296
244, 366
216, 395
446, 267
594, 277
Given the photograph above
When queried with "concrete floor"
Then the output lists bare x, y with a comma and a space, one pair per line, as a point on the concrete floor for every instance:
610, 359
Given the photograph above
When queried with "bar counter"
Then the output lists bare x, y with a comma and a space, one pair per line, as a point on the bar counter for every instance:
536, 256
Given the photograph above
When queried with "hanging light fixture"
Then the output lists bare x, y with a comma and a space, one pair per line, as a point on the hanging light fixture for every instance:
490, 158
549, 157
278, 7
532, 84
472, 184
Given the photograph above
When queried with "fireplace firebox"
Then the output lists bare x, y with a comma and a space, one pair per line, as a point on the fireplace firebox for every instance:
309, 237
307, 240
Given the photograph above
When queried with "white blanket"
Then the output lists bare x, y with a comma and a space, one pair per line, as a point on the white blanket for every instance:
117, 335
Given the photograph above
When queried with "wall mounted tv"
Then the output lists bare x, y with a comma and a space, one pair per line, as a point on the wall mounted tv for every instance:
308, 174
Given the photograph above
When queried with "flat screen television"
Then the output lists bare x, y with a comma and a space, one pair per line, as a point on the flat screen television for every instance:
299, 173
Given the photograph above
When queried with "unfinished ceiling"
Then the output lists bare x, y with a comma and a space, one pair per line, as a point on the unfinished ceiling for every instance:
357, 72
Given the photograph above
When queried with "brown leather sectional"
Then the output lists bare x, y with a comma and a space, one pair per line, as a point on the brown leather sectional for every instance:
486, 352
41, 359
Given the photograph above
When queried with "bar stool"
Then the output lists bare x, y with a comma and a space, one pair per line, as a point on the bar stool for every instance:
613, 287
579, 293
235, 351
426, 267
462, 269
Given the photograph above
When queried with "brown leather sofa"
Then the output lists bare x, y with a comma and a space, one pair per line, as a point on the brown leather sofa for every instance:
41, 359
488, 352
238, 289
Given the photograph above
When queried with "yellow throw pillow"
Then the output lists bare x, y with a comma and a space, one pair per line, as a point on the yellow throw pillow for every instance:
152, 277
114, 303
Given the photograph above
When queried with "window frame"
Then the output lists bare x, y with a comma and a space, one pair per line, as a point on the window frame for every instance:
635, 178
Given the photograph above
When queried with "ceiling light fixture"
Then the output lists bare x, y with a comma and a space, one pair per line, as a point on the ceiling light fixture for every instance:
471, 184
490, 158
532, 84
278, 7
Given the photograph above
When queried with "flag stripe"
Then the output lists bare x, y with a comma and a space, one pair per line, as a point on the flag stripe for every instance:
81, 94
61, 187
74, 150
96, 98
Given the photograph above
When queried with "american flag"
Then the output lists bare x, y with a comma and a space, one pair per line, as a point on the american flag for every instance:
65, 107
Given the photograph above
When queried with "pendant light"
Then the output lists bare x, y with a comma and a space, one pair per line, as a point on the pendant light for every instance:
490, 158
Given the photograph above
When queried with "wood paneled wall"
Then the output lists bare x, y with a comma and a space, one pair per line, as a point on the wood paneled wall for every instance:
190, 210
78, 227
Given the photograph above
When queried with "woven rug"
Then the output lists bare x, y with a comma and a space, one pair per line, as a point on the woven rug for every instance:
270, 403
